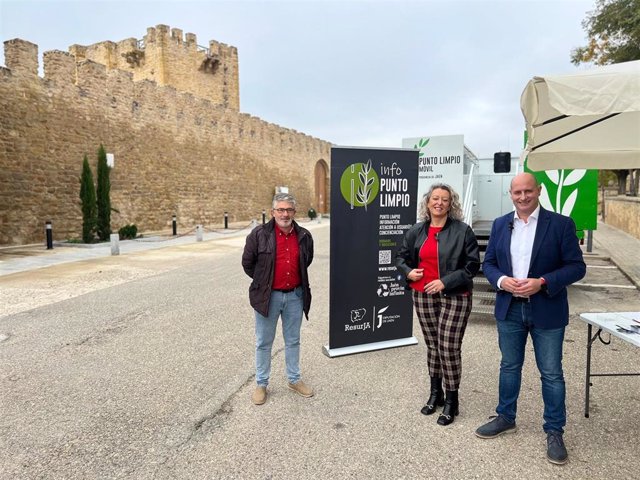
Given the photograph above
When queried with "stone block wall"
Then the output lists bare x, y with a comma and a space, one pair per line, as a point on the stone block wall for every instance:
175, 153
623, 213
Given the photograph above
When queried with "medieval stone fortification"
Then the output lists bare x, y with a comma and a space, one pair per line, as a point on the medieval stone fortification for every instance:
168, 110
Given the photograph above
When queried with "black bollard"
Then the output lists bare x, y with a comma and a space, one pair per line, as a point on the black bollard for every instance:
174, 226
226, 220
49, 233
264, 217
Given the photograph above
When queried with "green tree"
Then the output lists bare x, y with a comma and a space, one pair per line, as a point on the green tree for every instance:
103, 226
88, 200
613, 32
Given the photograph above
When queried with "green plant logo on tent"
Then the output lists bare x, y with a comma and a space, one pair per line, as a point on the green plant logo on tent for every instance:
359, 184
573, 193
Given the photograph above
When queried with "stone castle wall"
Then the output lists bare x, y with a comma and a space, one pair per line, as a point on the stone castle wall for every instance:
175, 153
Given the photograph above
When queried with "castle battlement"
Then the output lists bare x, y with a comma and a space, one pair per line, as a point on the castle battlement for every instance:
21, 57
121, 90
168, 57
165, 56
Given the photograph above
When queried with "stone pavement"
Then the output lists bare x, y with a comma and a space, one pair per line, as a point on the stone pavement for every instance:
22, 259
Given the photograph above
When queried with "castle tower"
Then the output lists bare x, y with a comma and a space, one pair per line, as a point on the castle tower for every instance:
169, 58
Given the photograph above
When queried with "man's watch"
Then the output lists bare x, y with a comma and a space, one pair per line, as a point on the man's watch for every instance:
543, 284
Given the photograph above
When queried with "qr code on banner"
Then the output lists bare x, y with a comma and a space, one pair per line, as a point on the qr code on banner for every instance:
384, 257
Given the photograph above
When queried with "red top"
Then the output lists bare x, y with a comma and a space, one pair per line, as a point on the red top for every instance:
428, 260
287, 272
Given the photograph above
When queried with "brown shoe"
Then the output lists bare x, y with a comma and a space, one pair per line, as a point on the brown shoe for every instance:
259, 395
301, 389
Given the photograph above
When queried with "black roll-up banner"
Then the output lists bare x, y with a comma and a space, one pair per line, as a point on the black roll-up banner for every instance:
373, 204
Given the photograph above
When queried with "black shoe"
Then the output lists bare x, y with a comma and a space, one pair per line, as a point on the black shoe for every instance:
495, 427
450, 409
436, 399
556, 451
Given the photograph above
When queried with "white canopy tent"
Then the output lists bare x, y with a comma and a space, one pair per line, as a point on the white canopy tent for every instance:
587, 119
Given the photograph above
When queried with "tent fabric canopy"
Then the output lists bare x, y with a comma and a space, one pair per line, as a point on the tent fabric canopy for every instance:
587, 119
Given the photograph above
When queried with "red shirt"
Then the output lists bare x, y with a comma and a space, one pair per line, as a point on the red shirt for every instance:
428, 260
286, 274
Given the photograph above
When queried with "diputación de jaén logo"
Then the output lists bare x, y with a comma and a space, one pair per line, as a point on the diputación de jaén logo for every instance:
359, 184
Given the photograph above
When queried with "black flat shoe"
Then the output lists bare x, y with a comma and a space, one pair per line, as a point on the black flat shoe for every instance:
447, 416
450, 409
431, 406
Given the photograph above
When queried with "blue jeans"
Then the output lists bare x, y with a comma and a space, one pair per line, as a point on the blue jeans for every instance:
547, 346
289, 307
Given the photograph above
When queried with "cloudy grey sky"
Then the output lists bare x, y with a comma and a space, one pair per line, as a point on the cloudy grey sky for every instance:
361, 73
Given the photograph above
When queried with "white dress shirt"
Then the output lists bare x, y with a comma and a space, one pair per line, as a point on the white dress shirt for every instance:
522, 236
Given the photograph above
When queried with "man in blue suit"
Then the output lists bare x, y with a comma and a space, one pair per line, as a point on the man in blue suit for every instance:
532, 256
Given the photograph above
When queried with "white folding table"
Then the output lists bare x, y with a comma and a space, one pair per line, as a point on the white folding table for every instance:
612, 323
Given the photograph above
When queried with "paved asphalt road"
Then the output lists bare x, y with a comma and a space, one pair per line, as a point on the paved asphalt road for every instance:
151, 378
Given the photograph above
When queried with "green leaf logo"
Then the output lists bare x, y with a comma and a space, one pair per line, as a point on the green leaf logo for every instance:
359, 184
556, 180
423, 142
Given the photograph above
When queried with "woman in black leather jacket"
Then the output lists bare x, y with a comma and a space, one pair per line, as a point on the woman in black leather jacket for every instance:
439, 258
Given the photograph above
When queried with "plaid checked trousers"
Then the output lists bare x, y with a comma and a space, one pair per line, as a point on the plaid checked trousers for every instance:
443, 320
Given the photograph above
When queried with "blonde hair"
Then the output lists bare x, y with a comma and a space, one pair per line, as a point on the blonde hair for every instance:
455, 209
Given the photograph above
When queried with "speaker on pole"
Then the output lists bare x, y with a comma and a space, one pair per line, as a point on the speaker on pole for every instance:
502, 162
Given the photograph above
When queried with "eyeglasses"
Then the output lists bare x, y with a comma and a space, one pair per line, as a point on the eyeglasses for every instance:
285, 210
